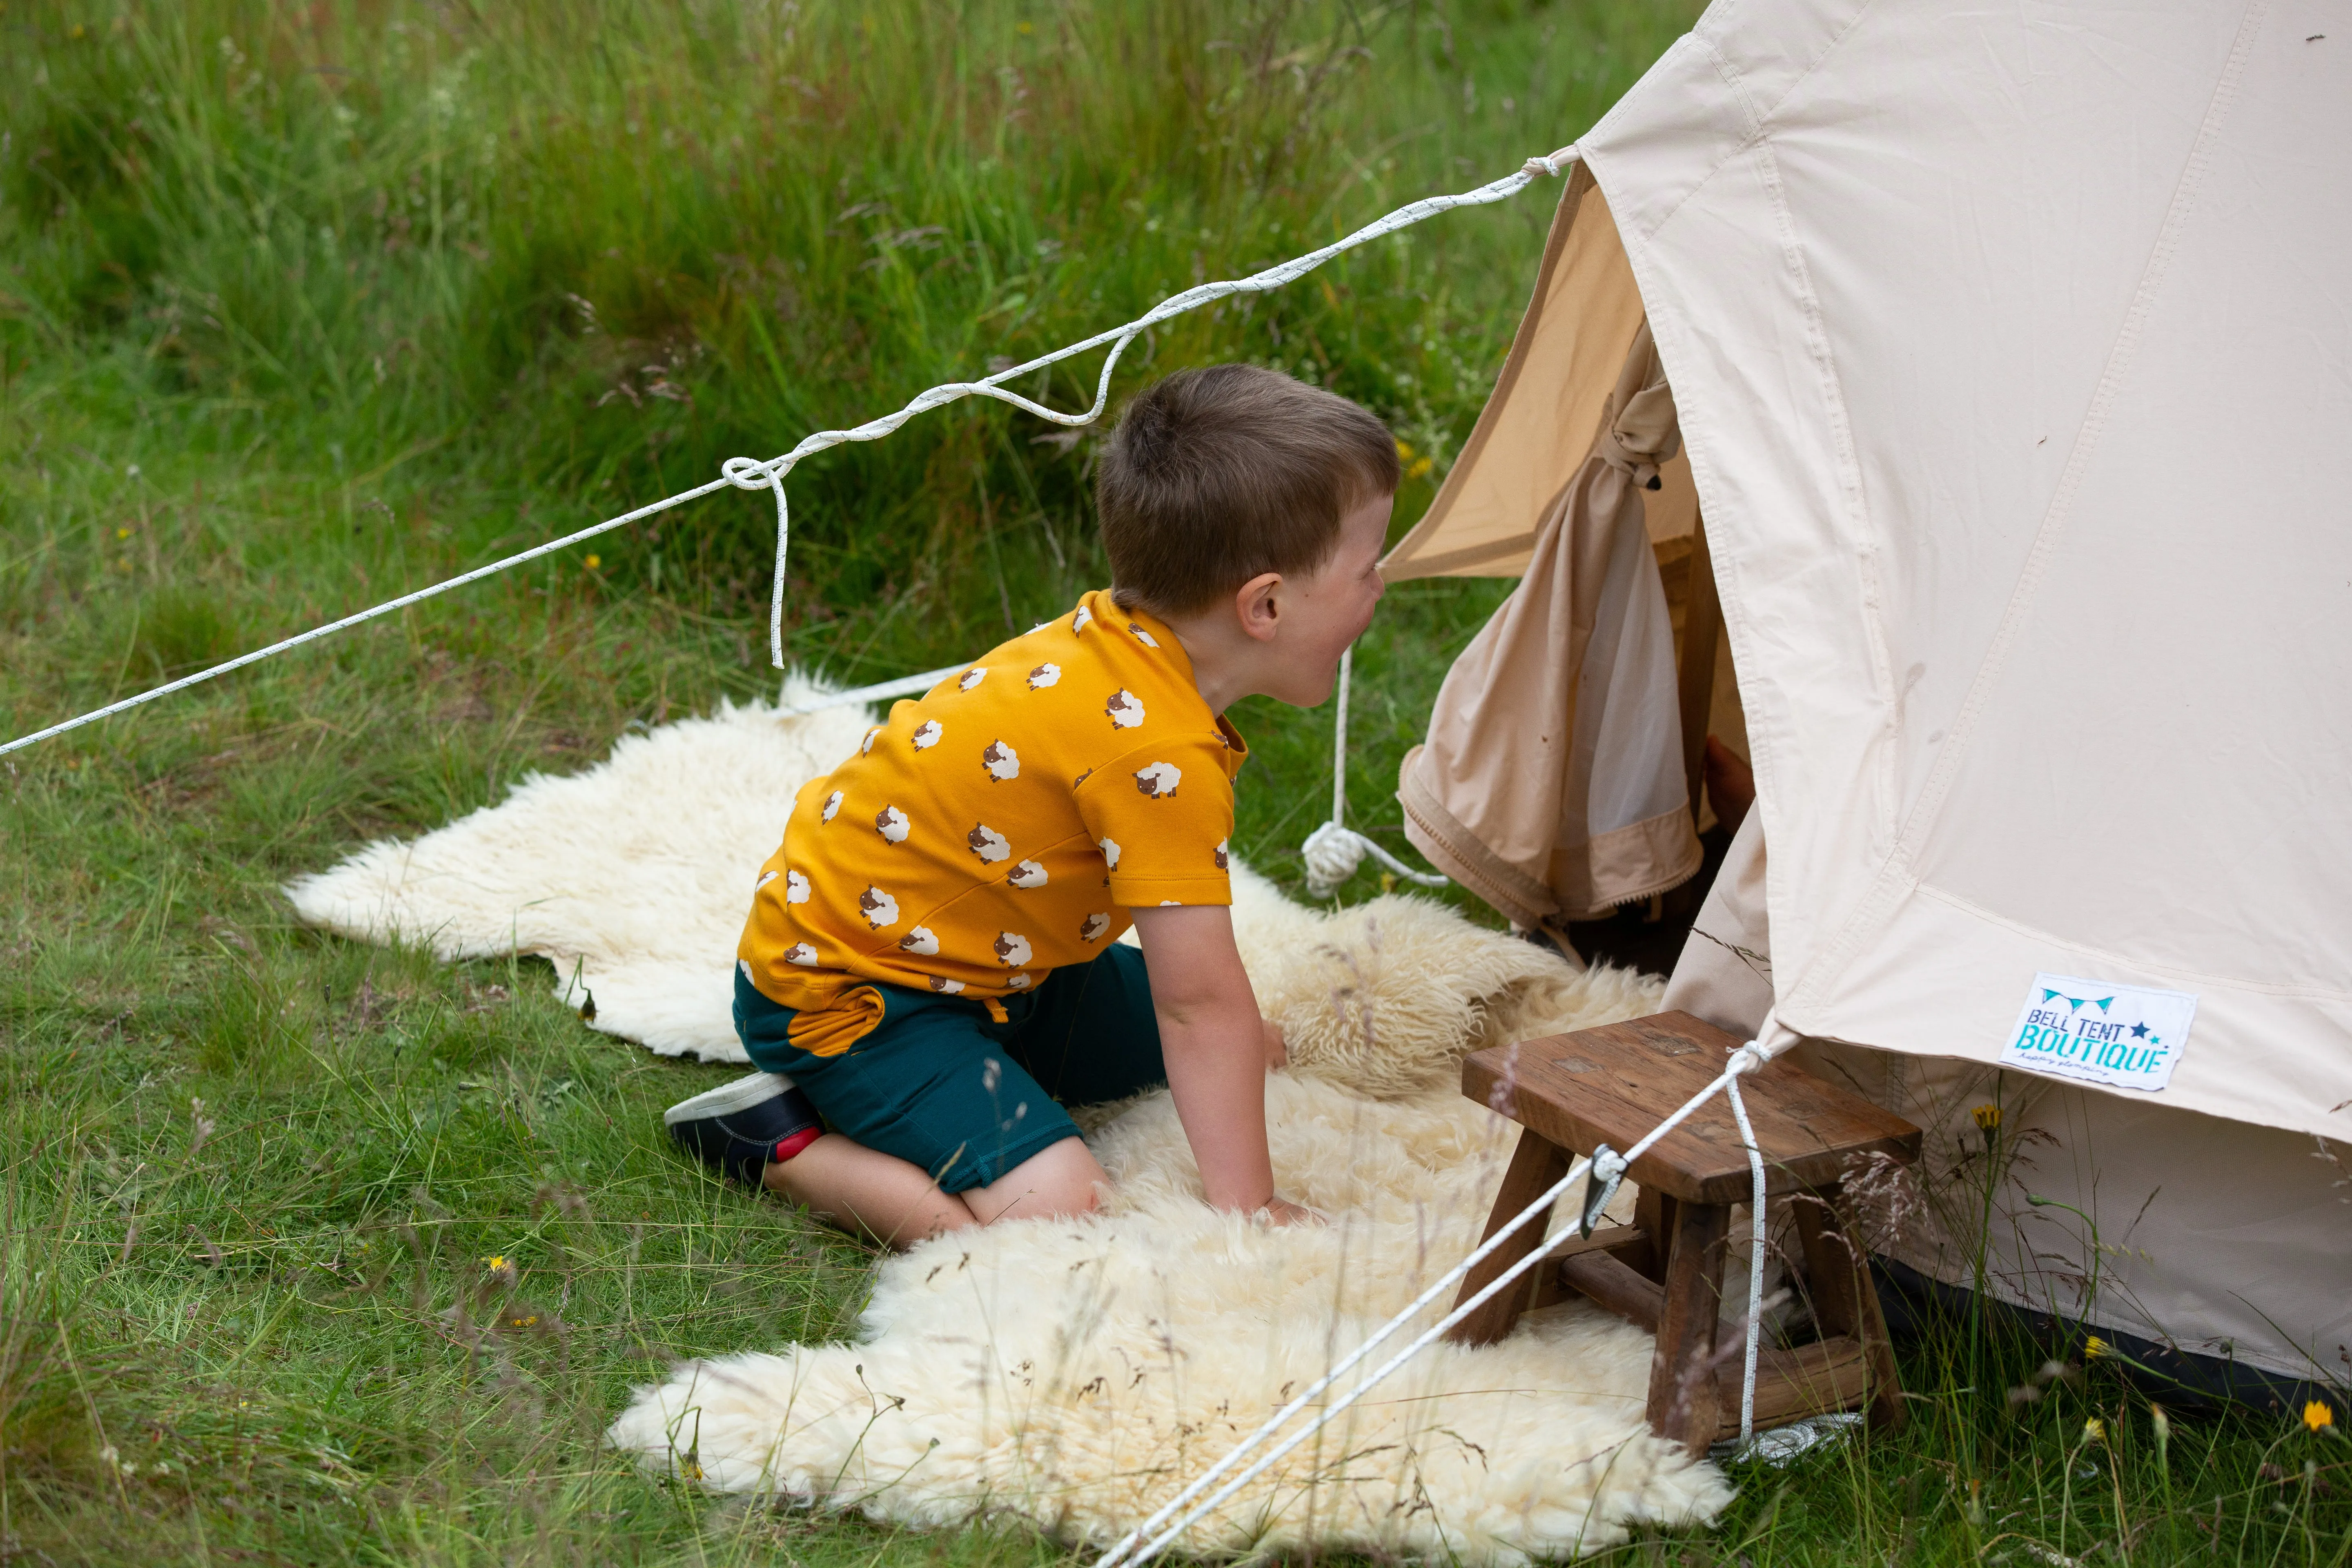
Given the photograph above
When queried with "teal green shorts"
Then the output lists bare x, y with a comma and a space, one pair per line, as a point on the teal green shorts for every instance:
940, 1086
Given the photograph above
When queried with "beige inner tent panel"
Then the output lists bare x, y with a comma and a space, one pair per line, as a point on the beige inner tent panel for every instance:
1524, 449
1542, 421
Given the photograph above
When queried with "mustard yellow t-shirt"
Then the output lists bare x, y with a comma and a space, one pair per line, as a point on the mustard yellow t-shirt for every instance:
999, 827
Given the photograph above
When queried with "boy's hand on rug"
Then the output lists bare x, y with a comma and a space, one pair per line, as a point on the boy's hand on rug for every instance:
1213, 1040
1277, 1049
1281, 1211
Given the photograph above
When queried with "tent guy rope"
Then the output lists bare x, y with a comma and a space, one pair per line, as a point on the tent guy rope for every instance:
1335, 850
751, 474
1140, 1545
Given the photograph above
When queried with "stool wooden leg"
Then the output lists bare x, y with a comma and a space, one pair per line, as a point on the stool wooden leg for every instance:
1654, 1213
1536, 1165
1682, 1397
1845, 1301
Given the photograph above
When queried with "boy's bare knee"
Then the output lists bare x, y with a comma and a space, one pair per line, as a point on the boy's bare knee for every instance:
1060, 1180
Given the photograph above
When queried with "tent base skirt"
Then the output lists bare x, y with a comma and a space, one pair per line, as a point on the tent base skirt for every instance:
1921, 1309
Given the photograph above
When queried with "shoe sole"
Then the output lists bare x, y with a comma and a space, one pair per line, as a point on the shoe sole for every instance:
742, 1095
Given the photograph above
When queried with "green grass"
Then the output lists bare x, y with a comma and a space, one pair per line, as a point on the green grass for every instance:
305, 305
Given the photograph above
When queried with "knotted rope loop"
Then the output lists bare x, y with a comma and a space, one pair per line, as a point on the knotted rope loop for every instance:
1333, 853
751, 474
1551, 162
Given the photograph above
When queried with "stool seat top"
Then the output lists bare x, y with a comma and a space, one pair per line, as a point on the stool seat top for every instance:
1612, 1085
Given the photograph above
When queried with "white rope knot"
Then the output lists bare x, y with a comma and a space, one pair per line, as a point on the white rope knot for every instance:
750, 473
1332, 854
1550, 163
1334, 851
1746, 1060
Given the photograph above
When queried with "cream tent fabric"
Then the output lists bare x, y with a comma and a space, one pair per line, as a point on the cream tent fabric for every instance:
2220, 1239
2013, 354
1552, 781
2012, 349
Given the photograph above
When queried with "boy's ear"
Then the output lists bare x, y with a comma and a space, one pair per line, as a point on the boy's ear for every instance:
1258, 602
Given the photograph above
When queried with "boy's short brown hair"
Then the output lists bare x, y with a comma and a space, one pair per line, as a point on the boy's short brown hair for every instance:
1219, 474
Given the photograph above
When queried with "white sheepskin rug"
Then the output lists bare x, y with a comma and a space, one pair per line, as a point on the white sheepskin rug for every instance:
1078, 1373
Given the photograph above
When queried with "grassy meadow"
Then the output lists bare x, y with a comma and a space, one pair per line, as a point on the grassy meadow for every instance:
305, 305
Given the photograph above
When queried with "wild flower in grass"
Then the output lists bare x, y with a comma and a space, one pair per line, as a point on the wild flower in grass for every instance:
2095, 1430
1987, 1117
2318, 1417
2096, 1347
501, 1267
594, 561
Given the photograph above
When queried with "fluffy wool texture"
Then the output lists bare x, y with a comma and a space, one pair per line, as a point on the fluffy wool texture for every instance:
1076, 1374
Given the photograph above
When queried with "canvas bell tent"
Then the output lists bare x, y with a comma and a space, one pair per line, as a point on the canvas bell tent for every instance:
2011, 349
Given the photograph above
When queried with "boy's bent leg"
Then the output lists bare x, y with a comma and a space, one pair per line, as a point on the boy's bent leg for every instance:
868, 1192
1059, 1179
928, 1106
1093, 1036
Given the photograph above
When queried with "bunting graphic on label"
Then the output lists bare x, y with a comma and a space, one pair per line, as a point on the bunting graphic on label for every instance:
2125, 1036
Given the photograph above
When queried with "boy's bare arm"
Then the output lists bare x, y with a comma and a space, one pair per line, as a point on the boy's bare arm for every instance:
1217, 1048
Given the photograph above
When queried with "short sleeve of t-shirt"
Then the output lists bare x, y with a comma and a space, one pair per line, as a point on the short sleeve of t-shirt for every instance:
1161, 815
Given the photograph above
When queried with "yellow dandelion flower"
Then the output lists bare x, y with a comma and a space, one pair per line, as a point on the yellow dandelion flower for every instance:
1986, 1117
2095, 1430
2317, 1415
1420, 468
501, 1267
1404, 450
2096, 1347
594, 561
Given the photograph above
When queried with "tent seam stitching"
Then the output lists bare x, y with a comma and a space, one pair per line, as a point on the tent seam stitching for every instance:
1759, 120
1927, 889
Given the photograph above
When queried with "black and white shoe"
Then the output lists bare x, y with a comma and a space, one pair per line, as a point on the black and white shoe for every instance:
739, 1128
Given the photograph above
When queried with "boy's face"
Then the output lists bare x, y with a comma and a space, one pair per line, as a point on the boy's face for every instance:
1329, 609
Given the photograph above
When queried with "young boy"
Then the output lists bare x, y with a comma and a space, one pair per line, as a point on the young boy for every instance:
931, 971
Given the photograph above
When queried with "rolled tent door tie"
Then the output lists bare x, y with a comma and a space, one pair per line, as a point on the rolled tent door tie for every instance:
1552, 782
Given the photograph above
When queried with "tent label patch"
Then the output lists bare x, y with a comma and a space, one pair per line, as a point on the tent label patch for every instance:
2126, 1036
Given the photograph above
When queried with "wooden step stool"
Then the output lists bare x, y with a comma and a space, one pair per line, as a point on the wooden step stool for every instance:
1665, 1272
